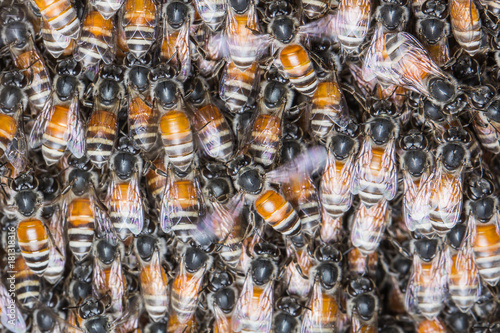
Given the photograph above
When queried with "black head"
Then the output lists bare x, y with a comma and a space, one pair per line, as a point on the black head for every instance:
479, 186
49, 186
290, 305
240, 6
145, 246
466, 67
479, 97
97, 325
381, 130
66, 86
283, 29
456, 235
237, 163
275, 94
441, 90
365, 306
493, 111
225, 299
83, 271
109, 92
196, 90
267, 250
415, 162
393, 16
435, 8
195, 259
432, 30
426, 249
124, 164
360, 286
483, 209
177, 14
289, 150
81, 181
263, 270
14, 25
68, 66
433, 111
45, 320
326, 252
285, 323
219, 280
167, 91
90, 308
10, 99
138, 76
219, 188
214, 170
328, 274
250, 180
278, 8
453, 155
105, 251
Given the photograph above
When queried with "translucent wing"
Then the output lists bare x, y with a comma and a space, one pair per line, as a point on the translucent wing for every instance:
222, 323
369, 225
17, 149
447, 197
353, 18
422, 201
389, 171
14, 323
104, 227
116, 286
463, 279
40, 124
145, 116
178, 50
145, 14
76, 135
265, 308
321, 312
135, 213
211, 12
99, 283
410, 193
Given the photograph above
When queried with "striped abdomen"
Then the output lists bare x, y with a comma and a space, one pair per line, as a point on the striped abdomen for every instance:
212, 12
143, 123
449, 187
430, 293
463, 281
96, 40
216, 138
266, 135
466, 25
237, 85
55, 138
303, 196
278, 213
231, 255
101, 135
326, 109
486, 133
411, 188
177, 138
371, 182
56, 43
157, 182
107, 8
80, 217
34, 244
243, 45
299, 68
431, 326
176, 50
335, 190
251, 317
184, 299
323, 311
314, 9
353, 23
61, 16
57, 262
360, 263
154, 288
369, 225
185, 208
487, 252
123, 210
40, 87
27, 284
8, 128
139, 23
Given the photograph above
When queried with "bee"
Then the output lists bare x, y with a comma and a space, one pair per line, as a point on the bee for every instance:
61, 16
107, 8
60, 125
314, 9
410, 67
466, 25
175, 126
434, 325
287, 318
416, 163
181, 205
352, 23
93, 315
426, 288
254, 308
463, 278
56, 43
328, 108
154, 286
322, 308
237, 85
124, 197
486, 127
13, 103
16, 26
18, 325
297, 272
362, 305
440, 197
97, 39
362, 264
392, 15
175, 48
222, 299
242, 43
482, 213
139, 21
186, 287
142, 116
337, 180
376, 169
27, 284
330, 229
102, 126
79, 283
212, 12
213, 131
368, 226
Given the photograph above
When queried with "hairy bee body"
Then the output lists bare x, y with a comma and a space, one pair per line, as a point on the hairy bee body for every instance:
81, 227
61, 16
237, 85
139, 24
34, 244
101, 136
299, 69
177, 137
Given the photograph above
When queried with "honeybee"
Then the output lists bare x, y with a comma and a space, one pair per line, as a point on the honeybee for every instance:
93, 316
337, 181
236, 86
352, 23
97, 39
27, 284
399, 59
297, 272
440, 197
222, 299
156, 180
212, 12
139, 21
434, 325
392, 15
102, 126
61, 16
57, 256
362, 305
154, 287
18, 325
331, 229
416, 163
79, 283
211, 127
60, 125
242, 43
56, 43
142, 116
175, 127
287, 318
426, 290
376, 169
254, 308
466, 25
175, 48
322, 308
107, 8
368, 226
486, 125
186, 287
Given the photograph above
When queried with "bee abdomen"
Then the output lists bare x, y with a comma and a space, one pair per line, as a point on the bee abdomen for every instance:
237, 86
80, 228
34, 244
278, 212
299, 68
101, 136
265, 139
55, 136
62, 17
8, 128
143, 124
27, 284
177, 139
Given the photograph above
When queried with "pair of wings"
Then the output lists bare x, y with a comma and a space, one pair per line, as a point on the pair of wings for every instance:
338, 183
107, 8
369, 225
209, 12
411, 190
318, 316
115, 283
55, 42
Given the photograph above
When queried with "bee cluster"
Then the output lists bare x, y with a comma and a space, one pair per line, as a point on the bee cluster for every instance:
249, 166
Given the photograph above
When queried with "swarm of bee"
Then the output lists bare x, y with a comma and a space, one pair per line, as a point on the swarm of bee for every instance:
297, 166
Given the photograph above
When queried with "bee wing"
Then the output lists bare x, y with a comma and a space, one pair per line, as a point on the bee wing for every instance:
411, 301
210, 11
104, 227
243, 308
422, 201
146, 14
410, 192
149, 113
390, 171
316, 313
155, 276
99, 285
212, 145
76, 135
338, 184
322, 27
135, 213
222, 323
40, 124
17, 149
369, 225
448, 200
117, 285
465, 266
16, 323
353, 21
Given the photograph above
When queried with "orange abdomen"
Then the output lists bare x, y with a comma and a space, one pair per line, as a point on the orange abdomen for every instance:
34, 244
60, 15
8, 128
299, 68
101, 135
55, 138
278, 212
266, 135
487, 252
177, 138
143, 123
81, 227
431, 326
